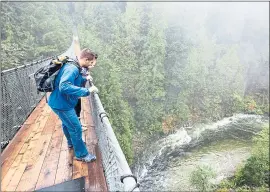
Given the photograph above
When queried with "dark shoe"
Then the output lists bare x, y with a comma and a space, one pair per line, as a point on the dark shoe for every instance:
70, 146
88, 158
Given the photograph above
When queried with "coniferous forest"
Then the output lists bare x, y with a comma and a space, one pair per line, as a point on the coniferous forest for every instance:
161, 65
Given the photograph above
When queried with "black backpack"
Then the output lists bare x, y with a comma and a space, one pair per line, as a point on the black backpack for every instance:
46, 75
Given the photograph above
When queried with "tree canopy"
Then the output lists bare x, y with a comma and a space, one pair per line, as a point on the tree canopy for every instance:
160, 64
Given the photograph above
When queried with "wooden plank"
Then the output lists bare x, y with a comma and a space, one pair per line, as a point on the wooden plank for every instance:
28, 153
15, 146
21, 168
64, 144
16, 177
40, 129
43, 114
83, 111
48, 110
64, 171
34, 115
91, 138
64, 147
50, 125
96, 176
17, 161
84, 169
6, 180
41, 117
101, 176
85, 166
36, 112
77, 169
11, 172
70, 157
32, 171
33, 132
17, 142
24, 148
95, 181
58, 129
32, 141
49, 167
93, 184
89, 122
83, 122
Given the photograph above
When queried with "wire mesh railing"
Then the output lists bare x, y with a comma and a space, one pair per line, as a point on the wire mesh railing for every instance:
18, 97
117, 171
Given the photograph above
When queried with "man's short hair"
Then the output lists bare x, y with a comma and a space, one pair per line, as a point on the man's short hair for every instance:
89, 54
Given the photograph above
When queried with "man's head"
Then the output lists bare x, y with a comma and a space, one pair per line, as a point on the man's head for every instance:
87, 58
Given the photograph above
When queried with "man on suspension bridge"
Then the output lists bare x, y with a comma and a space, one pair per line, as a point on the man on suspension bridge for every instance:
69, 87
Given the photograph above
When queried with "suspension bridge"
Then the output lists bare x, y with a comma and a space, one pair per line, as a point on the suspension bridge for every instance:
36, 156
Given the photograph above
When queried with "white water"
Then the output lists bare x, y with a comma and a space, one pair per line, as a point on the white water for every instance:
158, 150
179, 138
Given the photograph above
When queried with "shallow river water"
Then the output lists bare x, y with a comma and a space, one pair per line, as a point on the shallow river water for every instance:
167, 164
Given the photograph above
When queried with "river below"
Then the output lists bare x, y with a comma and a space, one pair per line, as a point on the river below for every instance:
166, 164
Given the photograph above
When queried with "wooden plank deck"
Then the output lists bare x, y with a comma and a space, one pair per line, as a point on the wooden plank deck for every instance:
38, 155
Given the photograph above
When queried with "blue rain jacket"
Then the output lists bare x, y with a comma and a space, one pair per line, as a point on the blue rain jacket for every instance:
68, 88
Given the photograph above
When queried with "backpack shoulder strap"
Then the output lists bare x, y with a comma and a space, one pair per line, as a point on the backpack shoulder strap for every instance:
74, 62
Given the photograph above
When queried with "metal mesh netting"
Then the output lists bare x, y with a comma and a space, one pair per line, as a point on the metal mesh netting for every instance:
113, 159
19, 97
111, 169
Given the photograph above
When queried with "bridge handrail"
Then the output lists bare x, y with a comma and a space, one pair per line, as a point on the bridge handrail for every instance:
25, 65
117, 171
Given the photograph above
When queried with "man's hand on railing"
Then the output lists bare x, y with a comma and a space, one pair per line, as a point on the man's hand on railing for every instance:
93, 89
89, 77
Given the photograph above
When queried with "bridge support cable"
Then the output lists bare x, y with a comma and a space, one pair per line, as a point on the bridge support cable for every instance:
117, 171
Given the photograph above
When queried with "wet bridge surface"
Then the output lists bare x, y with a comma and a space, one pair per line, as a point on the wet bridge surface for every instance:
38, 156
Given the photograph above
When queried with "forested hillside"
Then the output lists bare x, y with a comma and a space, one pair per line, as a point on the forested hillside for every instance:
160, 65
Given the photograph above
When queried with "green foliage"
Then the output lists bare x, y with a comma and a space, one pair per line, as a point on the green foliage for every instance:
247, 105
238, 103
108, 67
155, 66
254, 174
256, 170
200, 178
32, 31
261, 143
243, 189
